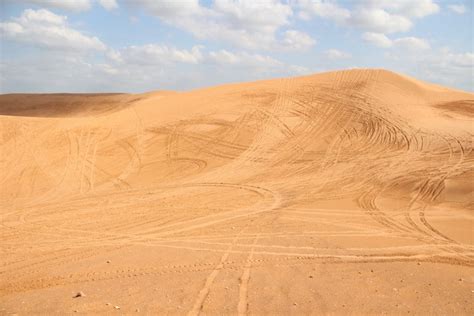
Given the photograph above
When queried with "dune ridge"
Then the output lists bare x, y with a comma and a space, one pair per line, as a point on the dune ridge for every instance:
342, 192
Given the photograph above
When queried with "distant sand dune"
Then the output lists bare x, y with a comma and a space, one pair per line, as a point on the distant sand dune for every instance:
62, 104
342, 192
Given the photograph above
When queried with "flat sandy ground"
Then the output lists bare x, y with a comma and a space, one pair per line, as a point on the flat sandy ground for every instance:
339, 193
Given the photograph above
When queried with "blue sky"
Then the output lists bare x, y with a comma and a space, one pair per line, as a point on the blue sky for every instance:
143, 45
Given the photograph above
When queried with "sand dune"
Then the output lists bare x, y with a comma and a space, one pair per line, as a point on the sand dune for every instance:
343, 192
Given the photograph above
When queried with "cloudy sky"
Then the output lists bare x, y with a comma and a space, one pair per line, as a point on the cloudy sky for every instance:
142, 45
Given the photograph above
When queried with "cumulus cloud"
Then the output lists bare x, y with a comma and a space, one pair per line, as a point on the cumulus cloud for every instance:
248, 24
163, 55
138, 68
242, 65
257, 28
69, 5
377, 39
297, 40
114, 55
408, 8
457, 8
109, 4
411, 43
324, 9
224, 57
42, 28
253, 15
460, 60
169, 9
336, 54
379, 16
379, 20
406, 43
156, 54
442, 66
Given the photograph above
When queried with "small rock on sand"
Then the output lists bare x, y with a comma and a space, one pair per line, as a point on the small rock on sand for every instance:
117, 307
79, 294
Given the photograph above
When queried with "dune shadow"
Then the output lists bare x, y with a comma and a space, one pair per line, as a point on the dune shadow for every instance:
462, 107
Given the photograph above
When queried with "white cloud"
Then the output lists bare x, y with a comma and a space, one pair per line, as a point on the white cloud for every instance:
164, 57
441, 66
137, 68
246, 23
411, 43
336, 54
109, 4
378, 16
297, 40
408, 8
50, 71
460, 60
244, 66
265, 16
69, 5
457, 8
380, 21
324, 9
108, 69
403, 43
43, 28
299, 70
252, 26
169, 9
157, 55
377, 39
114, 55
224, 57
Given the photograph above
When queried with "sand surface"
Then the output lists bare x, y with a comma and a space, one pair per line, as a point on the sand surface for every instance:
339, 193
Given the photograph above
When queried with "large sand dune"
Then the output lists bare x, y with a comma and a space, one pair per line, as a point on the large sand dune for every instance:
343, 192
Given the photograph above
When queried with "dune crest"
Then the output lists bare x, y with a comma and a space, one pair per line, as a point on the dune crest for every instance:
288, 196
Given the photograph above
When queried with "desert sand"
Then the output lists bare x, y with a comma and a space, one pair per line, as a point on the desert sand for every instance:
348, 192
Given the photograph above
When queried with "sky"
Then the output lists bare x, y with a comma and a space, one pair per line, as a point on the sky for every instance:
145, 45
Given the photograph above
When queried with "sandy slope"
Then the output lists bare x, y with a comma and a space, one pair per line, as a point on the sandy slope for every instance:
344, 192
